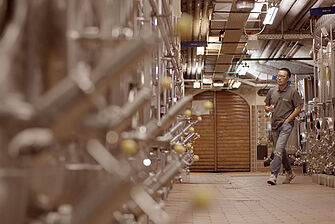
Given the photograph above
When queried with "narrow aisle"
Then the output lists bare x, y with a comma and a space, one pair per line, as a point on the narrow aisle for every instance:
240, 198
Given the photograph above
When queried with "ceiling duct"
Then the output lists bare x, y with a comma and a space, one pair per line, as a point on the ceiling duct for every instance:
230, 41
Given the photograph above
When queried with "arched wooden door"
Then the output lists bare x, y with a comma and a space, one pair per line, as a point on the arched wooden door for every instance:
225, 134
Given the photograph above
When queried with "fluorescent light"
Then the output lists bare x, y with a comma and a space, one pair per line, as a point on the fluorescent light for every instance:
218, 84
199, 69
196, 84
245, 5
237, 84
270, 15
207, 81
243, 70
200, 50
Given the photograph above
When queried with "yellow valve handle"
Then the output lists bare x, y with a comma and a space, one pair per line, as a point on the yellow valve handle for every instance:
129, 146
184, 26
208, 105
166, 82
201, 198
196, 158
179, 148
188, 113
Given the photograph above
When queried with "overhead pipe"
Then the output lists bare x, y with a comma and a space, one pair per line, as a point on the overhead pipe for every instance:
196, 21
292, 50
281, 49
293, 13
204, 21
254, 84
284, 7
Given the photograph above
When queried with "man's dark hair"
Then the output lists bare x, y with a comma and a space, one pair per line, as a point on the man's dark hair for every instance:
287, 70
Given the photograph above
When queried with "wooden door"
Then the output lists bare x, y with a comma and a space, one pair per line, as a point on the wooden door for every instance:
225, 134
233, 132
204, 146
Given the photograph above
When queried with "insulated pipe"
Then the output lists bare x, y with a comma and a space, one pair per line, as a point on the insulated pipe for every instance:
292, 50
293, 13
281, 49
204, 21
196, 21
300, 21
284, 8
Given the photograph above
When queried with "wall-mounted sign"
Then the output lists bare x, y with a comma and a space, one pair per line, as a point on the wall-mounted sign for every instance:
322, 11
194, 44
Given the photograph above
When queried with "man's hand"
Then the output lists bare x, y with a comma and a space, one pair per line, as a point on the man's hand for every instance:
269, 108
294, 114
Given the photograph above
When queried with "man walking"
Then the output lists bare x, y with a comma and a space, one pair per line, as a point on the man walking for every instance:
285, 104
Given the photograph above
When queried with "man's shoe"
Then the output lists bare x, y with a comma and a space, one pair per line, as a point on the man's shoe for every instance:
267, 162
272, 179
289, 177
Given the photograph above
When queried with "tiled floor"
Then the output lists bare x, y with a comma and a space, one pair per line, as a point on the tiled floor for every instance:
240, 198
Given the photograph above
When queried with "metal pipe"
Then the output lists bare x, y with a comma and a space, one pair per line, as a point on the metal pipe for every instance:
167, 11
165, 36
176, 127
66, 92
188, 137
108, 69
173, 140
154, 128
115, 118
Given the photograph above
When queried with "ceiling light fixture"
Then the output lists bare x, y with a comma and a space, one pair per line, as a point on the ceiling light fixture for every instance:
245, 5
236, 84
196, 84
221, 35
200, 50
